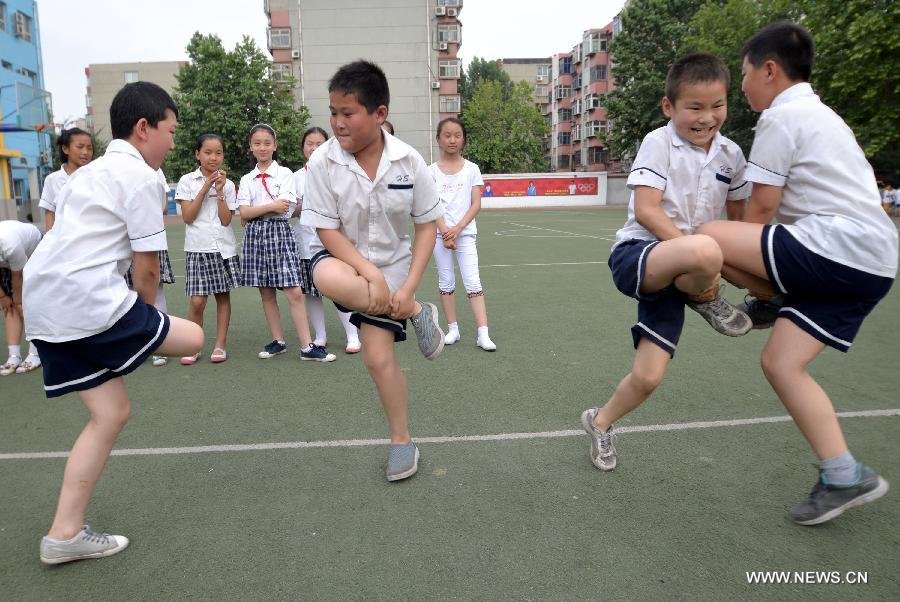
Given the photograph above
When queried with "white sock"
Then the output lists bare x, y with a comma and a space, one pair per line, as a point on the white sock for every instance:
350, 330
32, 350
453, 327
160, 303
483, 333
15, 350
316, 312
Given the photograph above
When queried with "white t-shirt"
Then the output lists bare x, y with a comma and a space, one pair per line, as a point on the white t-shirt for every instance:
455, 192
53, 183
206, 234
830, 202
18, 241
303, 234
74, 281
373, 215
695, 183
279, 184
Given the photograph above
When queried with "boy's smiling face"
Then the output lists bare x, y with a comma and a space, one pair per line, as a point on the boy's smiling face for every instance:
353, 126
159, 140
699, 111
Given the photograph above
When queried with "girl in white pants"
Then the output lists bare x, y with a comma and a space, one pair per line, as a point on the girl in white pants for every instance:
459, 187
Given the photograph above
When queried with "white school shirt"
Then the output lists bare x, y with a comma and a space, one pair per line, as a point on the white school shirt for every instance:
830, 202
373, 215
280, 185
53, 184
303, 234
695, 183
18, 241
206, 234
455, 192
74, 281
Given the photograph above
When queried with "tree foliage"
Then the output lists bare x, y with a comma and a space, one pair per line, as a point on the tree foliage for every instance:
483, 70
225, 93
505, 135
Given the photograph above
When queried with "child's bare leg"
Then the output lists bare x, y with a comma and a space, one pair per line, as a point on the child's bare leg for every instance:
110, 409
479, 309
184, 338
692, 263
196, 308
298, 314
448, 302
270, 310
223, 318
784, 360
650, 363
340, 282
741, 245
378, 355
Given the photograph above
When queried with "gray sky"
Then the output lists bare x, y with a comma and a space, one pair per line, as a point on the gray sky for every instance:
76, 33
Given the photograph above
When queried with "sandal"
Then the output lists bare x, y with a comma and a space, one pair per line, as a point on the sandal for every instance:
190, 360
218, 356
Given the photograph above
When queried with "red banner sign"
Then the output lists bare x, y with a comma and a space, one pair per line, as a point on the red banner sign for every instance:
539, 187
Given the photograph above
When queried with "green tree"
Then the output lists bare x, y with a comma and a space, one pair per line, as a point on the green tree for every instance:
652, 38
479, 70
505, 136
226, 93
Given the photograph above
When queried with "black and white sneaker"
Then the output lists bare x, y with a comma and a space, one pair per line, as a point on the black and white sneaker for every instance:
762, 313
827, 501
316, 353
272, 349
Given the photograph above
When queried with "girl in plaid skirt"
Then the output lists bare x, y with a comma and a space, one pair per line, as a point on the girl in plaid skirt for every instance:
267, 200
208, 202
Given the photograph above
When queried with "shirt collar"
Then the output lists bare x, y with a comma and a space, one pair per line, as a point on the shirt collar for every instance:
795, 92
123, 146
273, 166
394, 149
718, 141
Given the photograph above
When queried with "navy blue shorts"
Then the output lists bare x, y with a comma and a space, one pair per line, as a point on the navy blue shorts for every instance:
6, 282
825, 298
87, 363
398, 327
661, 313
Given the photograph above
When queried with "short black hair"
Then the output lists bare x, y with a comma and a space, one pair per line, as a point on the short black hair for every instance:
388, 126
313, 130
694, 69
204, 137
65, 138
136, 101
365, 80
788, 44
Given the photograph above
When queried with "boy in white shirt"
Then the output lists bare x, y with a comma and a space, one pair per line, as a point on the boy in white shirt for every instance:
18, 241
89, 327
831, 258
363, 186
682, 177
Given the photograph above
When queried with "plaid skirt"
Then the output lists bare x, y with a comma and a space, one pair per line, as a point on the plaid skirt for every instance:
309, 287
270, 255
210, 273
166, 275
6, 281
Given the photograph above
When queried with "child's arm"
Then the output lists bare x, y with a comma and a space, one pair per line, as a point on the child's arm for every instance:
734, 210
341, 248
190, 206
225, 200
764, 202
145, 275
403, 301
474, 208
649, 213
277, 207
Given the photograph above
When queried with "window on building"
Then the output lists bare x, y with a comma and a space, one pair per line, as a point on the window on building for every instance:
576, 132
576, 82
280, 37
565, 65
540, 90
598, 73
576, 158
598, 154
449, 68
564, 161
576, 107
563, 91
87, 100
449, 104
543, 71
564, 138
31, 75
449, 2
19, 192
131, 77
565, 114
23, 26
281, 71
2, 16
7, 65
448, 32
592, 101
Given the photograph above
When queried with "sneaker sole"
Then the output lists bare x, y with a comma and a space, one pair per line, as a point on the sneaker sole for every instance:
587, 424
102, 554
873, 495
264, 355
330, 358
405, 475
434, 321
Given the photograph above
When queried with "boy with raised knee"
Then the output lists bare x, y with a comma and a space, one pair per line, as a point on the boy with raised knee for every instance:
818, 272
363, 187
89, 328
684, 174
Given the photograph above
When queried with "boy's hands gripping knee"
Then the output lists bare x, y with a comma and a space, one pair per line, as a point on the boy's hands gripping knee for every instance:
379, 296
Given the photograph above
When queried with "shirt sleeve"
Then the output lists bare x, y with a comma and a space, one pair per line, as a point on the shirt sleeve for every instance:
286, 189
477, 180
183, 190
144, 218
426, 205
319, 201
739, 188
230, 195
243, 192
651, 165
13, 253
48, 195
772, 153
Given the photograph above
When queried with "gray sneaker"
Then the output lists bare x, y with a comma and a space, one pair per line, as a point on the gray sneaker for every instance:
723, 316
86, 544
827, 501
429, 333
403, 461
603, 445
762, 313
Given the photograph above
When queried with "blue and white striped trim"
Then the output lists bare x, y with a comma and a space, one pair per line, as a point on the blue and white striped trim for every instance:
816, 327
770, 246
640, 269
657, 336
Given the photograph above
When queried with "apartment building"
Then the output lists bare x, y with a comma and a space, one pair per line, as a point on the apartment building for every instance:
415, 42
534, 71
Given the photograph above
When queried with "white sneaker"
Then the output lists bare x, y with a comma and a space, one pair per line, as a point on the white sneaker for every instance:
32, 362
159, 360
452, 337
487, 344
10, 366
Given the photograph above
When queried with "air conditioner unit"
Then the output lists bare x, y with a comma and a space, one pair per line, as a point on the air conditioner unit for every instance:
442, 46
295, 53
440, 11
435, 85
541, 79
452, 12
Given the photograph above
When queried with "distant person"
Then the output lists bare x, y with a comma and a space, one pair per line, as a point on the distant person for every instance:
18, 241
658, 257
212, 266
362, 189
573, 189
532, 191
89, 328
388, 127
488, 189
458, 182
75, 150
823, 267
